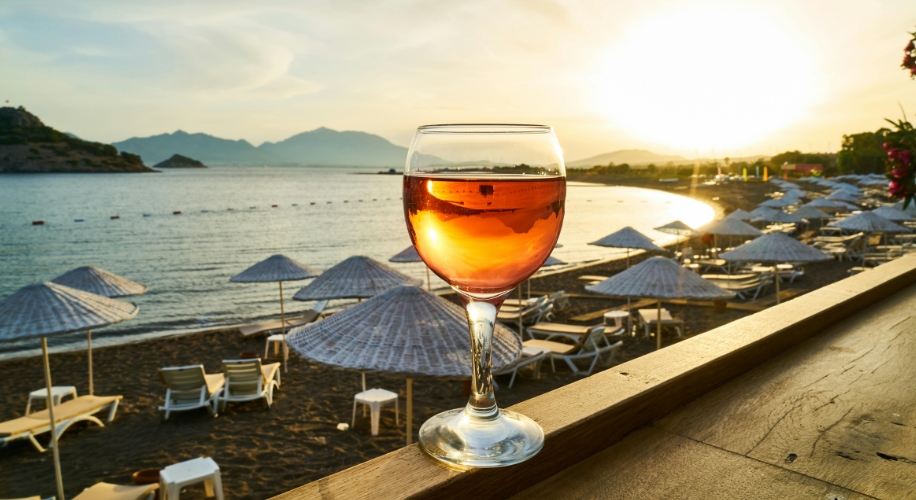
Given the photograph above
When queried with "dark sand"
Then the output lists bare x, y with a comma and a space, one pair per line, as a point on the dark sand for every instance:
264, 452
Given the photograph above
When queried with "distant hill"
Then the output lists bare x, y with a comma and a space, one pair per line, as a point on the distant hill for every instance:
178, 161
324, 146
630, 156
321, 146
204, 147
29, 146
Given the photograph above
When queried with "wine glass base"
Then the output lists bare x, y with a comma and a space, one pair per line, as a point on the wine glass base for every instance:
456, 438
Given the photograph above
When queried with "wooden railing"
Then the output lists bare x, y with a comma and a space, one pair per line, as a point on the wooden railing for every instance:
586, 417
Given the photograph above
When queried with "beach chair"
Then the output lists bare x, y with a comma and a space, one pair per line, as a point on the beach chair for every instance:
269, 326
189, 388
278, 339
81, 409
527, 315
531, 356
547, 331
585, 350
106, 491
743, 289
649, 318
248, 380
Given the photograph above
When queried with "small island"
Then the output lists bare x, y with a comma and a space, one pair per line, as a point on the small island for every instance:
29, 146
179, 161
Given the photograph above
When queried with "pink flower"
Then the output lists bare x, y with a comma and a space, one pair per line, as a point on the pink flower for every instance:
910, 46
899, 172
904, 156
887, 146
896, 189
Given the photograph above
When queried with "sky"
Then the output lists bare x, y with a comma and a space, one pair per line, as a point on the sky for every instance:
710, 78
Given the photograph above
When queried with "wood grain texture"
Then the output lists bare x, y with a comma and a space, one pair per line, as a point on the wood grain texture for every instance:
589, 415
842, 404
652, 463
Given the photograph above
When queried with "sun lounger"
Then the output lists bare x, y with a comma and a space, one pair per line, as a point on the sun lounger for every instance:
743, 288
248, 380
592, 278
106, 491
189, 388
269, 326
649, 318
531, 356
66, 414
530, 314
586, 349
548, 330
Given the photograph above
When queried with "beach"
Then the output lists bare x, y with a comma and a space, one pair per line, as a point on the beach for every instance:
261, 451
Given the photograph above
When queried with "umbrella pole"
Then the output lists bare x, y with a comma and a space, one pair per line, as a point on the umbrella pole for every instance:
628, 258
409, 411
659, 320
89, 344
629, 318
283, 327
776, 275
428, 284
57, 473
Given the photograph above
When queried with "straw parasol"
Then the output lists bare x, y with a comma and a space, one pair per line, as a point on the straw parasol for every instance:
358, 277
869, 222
45, 309
404, 331
277, 268
757, 212
842, 196
100, 282
728, 227
779, 217
676, 228
809, 212
909, 210
891, 213
785, 201
628, 238
410, 254
825, 204
775, 247
552, 261
740, 215
659, 278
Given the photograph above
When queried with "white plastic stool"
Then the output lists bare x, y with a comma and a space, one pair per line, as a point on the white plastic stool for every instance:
57, 393
375, 398
275, 339
174, 477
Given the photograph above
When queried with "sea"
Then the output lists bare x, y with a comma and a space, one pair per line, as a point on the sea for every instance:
233, 217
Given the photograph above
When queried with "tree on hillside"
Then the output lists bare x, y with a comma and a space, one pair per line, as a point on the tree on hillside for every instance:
863, 153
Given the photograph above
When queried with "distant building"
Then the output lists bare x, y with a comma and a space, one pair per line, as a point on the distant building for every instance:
801, 169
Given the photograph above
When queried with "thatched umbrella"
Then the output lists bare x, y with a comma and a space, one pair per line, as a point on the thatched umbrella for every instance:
785, 201
677, 228
277, 268
779, 217
404, 331
659, 278
842, 196
891, 213
869, 222
809, 212
628, 238
740, 215
100, 282
357, 277
46, 309
410, 254
757, 212
775, 248
824, 203
728, 227
909, 210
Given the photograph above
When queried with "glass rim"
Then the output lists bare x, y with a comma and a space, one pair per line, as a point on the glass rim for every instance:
485, 128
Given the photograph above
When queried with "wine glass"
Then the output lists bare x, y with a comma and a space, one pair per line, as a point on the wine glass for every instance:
484, 205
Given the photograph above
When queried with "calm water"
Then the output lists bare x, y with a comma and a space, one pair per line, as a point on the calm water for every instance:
186, 260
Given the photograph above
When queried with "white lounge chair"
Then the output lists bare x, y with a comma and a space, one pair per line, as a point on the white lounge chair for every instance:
531, 356
273, 325
248, 380
66, 414
586, 349
278, 339
189, 388
106, 491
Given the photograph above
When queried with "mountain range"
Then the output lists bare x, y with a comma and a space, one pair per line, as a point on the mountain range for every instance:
629, 156
320, 147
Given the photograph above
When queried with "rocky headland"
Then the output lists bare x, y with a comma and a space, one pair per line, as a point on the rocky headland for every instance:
179, 161
29, 146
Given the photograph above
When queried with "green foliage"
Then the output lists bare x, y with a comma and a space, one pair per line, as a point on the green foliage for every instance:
862, 153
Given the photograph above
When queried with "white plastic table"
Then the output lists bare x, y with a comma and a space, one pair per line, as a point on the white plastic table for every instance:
57, 393
204, 469
375, 398
615, 317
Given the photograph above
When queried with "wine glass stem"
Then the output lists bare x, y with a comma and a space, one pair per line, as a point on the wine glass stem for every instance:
481, 320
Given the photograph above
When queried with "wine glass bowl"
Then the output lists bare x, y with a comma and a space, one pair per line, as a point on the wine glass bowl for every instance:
484, 206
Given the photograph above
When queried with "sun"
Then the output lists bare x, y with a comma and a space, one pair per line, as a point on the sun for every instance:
705, 77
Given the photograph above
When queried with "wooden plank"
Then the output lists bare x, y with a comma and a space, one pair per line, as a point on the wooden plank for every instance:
600, 314
651, 463
839, 408
587, 416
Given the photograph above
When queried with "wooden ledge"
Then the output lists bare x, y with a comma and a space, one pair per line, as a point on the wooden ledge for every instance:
585, 417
